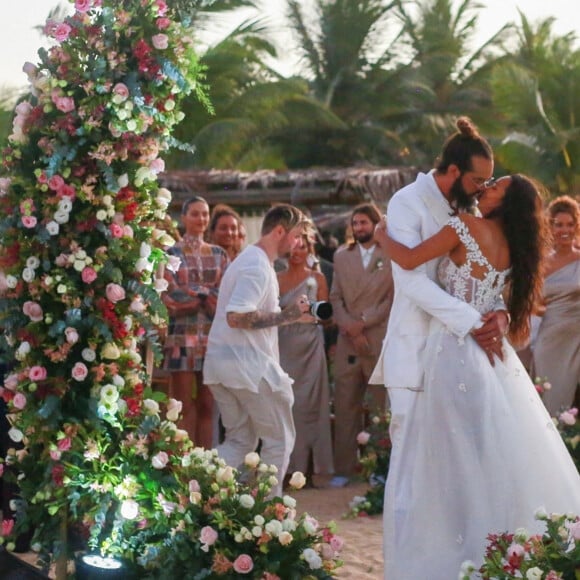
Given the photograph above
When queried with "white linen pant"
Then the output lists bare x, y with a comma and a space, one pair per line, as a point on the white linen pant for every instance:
249, 417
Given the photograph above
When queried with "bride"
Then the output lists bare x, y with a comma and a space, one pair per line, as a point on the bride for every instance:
488, 455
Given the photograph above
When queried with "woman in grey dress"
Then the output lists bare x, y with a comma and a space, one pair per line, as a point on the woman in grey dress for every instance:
303, 357
557, 346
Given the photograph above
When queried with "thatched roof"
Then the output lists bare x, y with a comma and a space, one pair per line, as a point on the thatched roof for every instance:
308, 187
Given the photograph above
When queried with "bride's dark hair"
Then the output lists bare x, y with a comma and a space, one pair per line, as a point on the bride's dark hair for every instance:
525, 229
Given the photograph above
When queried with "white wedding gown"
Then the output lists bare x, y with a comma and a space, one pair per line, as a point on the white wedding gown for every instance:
485, 454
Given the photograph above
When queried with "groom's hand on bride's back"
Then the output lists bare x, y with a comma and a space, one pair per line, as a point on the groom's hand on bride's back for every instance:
490, 335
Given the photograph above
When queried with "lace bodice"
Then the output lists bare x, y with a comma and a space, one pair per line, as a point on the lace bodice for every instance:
476, 281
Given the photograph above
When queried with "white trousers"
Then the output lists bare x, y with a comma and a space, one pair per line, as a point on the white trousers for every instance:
248, 417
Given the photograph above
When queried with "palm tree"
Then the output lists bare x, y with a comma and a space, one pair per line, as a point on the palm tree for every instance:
443, 77
536, 92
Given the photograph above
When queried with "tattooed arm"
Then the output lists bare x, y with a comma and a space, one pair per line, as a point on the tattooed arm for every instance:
257, 319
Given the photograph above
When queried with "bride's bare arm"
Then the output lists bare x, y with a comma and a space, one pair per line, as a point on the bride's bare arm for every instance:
440, 244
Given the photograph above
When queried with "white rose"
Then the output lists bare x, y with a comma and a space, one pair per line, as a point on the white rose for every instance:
247, 501
88, 354
297, 481
173, 263
32, 262
289, 501
61, 216
52, 228
101, 215
252, 460
174, 408
257, 531
224, 474
28, 274
129, 509
534, 574
151, 407
16, 435
143, 265
123, 180
259, 520
65, 204
160, 284
274, 528
160, 460
11, 281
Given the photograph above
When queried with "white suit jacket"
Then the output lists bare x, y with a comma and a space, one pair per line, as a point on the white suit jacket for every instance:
415, 213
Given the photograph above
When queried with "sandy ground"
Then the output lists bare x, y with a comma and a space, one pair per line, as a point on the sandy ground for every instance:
362, 553
363, 550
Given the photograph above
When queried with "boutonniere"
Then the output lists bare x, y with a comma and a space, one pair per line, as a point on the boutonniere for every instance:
379, 265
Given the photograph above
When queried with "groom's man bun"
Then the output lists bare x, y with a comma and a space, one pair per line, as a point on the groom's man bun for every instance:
462, 145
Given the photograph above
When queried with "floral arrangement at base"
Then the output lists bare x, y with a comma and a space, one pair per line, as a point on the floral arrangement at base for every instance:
375, 454
96, 453
569, 428
551, 556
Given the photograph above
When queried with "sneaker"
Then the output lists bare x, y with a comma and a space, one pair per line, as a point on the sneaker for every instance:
339, 481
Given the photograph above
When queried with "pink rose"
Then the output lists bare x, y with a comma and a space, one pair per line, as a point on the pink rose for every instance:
33, 310
121, 90
37, 373
575, 530
83, 5
160, 41
363, 438
194, 485
55, 183
116, 230
163, 23
336, 543
161, 7
29, 221
64, 104
1, 469
19, 401
7, 526
243, 564
567, 418
88, 275
160, 460
79, 372
208, 536
71, 335
61, 31
55, 454
114, 292
64, 444
11, 381
157, 165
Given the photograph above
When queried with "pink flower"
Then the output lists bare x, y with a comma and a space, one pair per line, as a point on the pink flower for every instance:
163, 23
194, 486
33, 310
83, 5
116, 230
7, 526
29, 221
88, 275
243, 564
11, 381
160, 460
61, 31
64, 444
79, 372
55, 454
121, 90
575, 530
55, 183
114, 292
161, 7
363, 438
160, 41
567, 418
336, 543
1, 469
208, 536
19, 401
64, 104
71, 335
37, 373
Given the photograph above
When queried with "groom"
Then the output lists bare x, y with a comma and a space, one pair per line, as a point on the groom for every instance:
415, 213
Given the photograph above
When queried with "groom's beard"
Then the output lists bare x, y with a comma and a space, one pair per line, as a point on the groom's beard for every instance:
460, 199
363, 237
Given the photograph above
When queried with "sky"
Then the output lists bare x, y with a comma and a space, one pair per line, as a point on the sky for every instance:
19, 40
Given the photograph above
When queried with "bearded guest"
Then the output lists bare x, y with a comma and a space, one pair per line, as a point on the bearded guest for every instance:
361, 297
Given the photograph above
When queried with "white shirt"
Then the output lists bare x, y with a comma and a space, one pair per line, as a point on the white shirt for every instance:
366, 254
240, 358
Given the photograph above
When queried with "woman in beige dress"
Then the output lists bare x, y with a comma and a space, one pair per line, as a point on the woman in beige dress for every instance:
557, 346
302, 356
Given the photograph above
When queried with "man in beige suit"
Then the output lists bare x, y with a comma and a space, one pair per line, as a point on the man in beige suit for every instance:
361, 297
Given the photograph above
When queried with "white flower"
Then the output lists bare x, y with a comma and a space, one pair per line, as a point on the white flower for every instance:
144, 250
129, 509
274, 528
160, 460
289, 501
259, 520
363, 438
52, 228
313, 559
143, 265
28, 274
22, 351
297, 481
224, 474
65, 204
174, 408
101, 215
285, 538
151, 407
16, 435
257, 531
61, 217
173, 263
88, 354
123, 180
32, 262
252, 460
11, 281
247, 501
534, 574
109, 394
